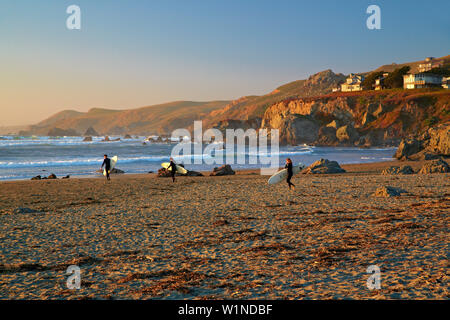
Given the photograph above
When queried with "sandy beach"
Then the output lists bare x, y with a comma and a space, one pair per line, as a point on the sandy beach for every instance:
232, 237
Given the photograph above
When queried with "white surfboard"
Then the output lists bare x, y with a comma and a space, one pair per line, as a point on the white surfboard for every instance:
282, 174
113, 164
180, 169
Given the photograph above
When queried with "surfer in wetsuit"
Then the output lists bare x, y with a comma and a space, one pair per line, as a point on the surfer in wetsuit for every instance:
288, 166
172, 166
107, 164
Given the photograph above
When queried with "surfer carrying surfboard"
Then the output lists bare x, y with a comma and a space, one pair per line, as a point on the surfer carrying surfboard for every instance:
290, 173
107, 164
172, 168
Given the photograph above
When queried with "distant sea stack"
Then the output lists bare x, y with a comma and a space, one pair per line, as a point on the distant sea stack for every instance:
91, 132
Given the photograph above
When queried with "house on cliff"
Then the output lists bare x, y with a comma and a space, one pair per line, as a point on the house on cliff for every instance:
421, 80
352, 83
445, 82
430, 63
379, 82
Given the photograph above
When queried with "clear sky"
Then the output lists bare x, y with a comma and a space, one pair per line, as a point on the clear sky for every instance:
132, 53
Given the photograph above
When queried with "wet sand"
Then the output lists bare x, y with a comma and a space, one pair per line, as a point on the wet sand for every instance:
233, 237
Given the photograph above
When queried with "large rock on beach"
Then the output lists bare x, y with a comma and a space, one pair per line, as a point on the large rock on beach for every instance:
87, 139
407, 148
398, 170
432, 144
323, 166
435, 166
164, 173
224, 170
387, 191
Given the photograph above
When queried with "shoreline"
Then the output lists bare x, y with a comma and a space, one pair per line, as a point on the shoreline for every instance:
227, 237
349, 166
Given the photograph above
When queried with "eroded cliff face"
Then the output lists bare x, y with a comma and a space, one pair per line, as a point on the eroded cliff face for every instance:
368, 118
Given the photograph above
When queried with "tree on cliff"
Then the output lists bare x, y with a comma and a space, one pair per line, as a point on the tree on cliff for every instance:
395, 78
369, 81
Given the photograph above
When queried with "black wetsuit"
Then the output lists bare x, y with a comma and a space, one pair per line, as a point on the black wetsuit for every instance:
172, 166
290, 174
107, 164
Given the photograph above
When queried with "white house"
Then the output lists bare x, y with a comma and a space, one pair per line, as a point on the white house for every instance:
445, 82
429, 63
353, 83
421, 80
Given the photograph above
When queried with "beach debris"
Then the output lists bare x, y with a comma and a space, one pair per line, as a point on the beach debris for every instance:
36, 178
224, 170
435, 166
387, 191
21, 210
87, 139
398, 170
194, 174
221, 222
113, 171
323, 166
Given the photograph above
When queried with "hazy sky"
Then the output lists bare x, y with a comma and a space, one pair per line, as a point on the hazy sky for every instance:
136, 53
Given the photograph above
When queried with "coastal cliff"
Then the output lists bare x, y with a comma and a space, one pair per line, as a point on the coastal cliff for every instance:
368, 118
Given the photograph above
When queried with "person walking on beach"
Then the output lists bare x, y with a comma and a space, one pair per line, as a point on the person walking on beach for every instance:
288, 166
107, 164
172, 166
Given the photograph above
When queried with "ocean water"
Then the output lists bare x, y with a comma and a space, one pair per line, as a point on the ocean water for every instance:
26, 157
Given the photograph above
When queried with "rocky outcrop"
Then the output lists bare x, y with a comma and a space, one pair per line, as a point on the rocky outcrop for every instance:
432, 144
87, 139
164, 173
91, 132
388, 192
347, 134
238, 124
127, 136
298, 129
117, 171
51, 177
397, 170
367, 118
323, 166
327, 136
224, 170
435, 166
